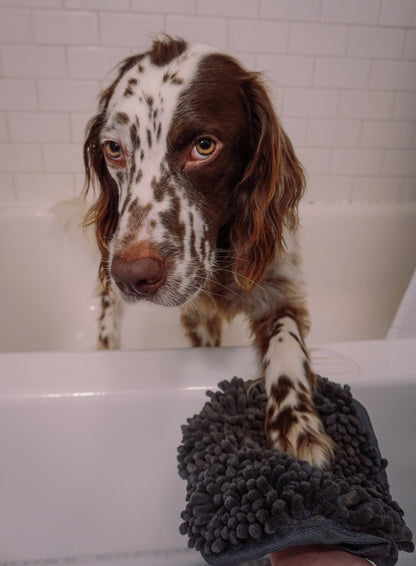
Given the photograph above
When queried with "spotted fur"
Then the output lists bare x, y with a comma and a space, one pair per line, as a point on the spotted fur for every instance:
197, 207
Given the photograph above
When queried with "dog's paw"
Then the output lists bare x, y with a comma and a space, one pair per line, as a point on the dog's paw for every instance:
315, 448
107, 343
299, 434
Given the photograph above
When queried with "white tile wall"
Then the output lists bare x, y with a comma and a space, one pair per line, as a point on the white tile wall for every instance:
343, 76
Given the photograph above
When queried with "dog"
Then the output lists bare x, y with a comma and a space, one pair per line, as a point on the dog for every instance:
197, 207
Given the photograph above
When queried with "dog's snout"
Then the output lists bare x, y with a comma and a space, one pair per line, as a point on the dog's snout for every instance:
138, 271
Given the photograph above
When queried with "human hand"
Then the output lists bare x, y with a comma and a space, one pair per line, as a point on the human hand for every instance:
315, 556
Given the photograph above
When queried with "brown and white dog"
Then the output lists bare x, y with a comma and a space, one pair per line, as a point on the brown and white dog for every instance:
197, 207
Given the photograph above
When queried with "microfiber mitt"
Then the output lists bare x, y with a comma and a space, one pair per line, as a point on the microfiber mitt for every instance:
245, 500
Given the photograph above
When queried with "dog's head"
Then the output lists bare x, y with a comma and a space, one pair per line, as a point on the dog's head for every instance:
192, 167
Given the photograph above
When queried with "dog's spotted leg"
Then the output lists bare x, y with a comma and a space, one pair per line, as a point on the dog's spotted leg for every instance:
292, 423
108, 321
203, 327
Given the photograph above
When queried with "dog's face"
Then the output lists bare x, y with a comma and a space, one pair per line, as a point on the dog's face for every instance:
173, 149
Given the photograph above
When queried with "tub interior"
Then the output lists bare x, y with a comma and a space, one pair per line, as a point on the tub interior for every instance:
357, 261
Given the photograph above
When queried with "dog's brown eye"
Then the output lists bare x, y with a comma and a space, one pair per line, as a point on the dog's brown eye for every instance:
205, 147
113, 150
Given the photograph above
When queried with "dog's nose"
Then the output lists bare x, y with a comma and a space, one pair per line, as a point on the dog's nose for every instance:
138, 271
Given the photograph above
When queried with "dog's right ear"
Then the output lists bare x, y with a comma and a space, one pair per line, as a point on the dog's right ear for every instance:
103, 214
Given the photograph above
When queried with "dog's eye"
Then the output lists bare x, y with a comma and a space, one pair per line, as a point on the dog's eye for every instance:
204, 148
113, 151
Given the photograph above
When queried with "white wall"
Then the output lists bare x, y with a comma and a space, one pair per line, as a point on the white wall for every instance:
344, 76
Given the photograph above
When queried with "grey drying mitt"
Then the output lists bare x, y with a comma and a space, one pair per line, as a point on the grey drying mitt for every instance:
245, 500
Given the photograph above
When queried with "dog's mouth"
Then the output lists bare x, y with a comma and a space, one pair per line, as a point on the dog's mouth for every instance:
153, 283
142, 273
165, 296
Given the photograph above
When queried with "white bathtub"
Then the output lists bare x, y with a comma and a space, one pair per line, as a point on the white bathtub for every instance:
88, 443
88, 439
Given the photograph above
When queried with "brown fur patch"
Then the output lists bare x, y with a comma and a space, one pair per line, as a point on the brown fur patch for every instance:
137, 214
282, 423
281, 389
164, 51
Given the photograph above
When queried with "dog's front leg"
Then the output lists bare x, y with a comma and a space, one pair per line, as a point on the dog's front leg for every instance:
108, 320
291, 421
203, 325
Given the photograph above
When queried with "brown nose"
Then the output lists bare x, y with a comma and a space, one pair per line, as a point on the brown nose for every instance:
138, 270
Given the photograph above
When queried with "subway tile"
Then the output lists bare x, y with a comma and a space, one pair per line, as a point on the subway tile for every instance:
33, 61
15, 26
32, 3
211, 31
399, 162
62, 158
408, 193
129, 30
116, 5
316, 161
94, 62
7, 187
258, 35
410, 44
287, 70
20, 157
17, 94
377, 189
310, 103
247, 60
356, 161
233, 8
318, 39
398, 13
79, 121
377, 42
404, 106
38, 127
351, 12
341, 72
297, 10
296, 129
79, 181
329, 188
165, 6
333, 133
387, 134
44, 187
366, 105
3, 127
65, 27
394, 75
66, 95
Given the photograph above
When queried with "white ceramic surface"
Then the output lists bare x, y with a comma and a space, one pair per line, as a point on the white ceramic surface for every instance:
88, 443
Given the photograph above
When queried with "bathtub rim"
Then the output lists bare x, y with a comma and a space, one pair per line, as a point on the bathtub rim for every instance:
126, 373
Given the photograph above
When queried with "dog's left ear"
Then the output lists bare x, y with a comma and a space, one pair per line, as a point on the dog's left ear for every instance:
266, 200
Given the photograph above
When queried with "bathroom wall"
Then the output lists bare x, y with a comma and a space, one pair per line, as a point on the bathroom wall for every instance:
343, 75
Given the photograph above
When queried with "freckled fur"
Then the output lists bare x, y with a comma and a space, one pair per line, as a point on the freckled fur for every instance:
218, 236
